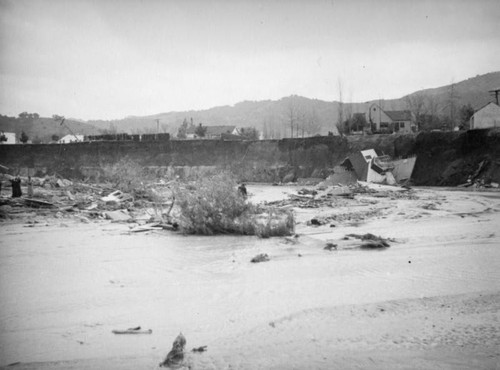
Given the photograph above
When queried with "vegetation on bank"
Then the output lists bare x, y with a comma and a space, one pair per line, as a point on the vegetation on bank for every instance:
208, 205
213, 205
125, 175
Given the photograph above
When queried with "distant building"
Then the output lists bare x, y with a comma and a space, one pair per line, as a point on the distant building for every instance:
212, 132
71, 139
485, 117
10, 136
400, 121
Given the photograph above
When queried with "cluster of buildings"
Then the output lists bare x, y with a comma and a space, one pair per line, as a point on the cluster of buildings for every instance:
403, 122
226, 132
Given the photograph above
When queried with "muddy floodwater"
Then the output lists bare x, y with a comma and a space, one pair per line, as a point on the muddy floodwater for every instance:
430, 300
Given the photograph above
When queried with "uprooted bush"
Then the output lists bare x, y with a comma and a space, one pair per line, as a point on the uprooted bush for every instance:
213, 205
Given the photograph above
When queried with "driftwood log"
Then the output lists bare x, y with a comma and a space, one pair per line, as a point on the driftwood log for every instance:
136, 330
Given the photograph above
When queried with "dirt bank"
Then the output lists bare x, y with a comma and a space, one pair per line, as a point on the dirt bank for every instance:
444, 158
451, 158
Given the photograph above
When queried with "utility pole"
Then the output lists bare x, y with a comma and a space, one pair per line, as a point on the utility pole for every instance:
63, 119
495, 92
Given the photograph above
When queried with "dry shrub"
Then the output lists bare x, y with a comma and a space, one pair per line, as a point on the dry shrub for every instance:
277, 222
125, 175
212, 205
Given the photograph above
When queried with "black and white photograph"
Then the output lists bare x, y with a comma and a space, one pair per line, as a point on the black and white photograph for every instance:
249, 184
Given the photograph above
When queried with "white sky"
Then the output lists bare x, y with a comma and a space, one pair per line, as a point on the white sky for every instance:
104, 59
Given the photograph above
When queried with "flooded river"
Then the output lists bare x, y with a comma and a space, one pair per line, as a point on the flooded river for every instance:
65, 285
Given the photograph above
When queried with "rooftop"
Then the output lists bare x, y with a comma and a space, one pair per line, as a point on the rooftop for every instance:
399, 115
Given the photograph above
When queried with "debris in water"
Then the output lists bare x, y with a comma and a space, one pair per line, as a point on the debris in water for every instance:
316, 222
374, 242
136, 330
330, 247
375, 245
118, 215
263, 257
116, 197
176, 355
200, 349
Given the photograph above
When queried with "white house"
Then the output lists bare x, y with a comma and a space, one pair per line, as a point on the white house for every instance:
71, 139
486, 117
10, 136
401, 121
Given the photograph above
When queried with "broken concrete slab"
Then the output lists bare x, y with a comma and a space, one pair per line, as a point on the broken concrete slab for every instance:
118, 215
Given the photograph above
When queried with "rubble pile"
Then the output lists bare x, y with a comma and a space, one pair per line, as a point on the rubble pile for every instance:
61, 198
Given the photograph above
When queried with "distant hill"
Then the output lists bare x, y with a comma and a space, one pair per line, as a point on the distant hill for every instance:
474, 91
41, 129
272, 117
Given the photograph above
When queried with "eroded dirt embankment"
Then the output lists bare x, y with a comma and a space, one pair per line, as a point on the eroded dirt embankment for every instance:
443, 158
451, 158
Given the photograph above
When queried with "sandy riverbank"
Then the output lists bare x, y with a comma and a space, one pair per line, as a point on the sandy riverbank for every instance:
431, 300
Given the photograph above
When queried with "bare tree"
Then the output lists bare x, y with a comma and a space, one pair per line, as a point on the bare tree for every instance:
265, 130
415, 103
164, 128
340, 118
451, 104
313, 125
431, 106
301, 122
291, 114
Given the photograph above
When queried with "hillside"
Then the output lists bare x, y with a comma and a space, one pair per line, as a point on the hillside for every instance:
272, 117
473, 90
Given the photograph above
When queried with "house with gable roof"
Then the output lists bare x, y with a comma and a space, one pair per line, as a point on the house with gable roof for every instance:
390, 121
71, 139
485, 117
7, 137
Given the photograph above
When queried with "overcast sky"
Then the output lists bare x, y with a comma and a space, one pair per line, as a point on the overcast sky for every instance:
106, 59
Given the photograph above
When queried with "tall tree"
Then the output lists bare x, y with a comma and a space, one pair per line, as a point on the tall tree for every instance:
451, 105
250, 133
465, 113
24, 138
200, 131
291, 114
182, 132
340, 117
313, 124
265, 130
358, 122
415, 103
